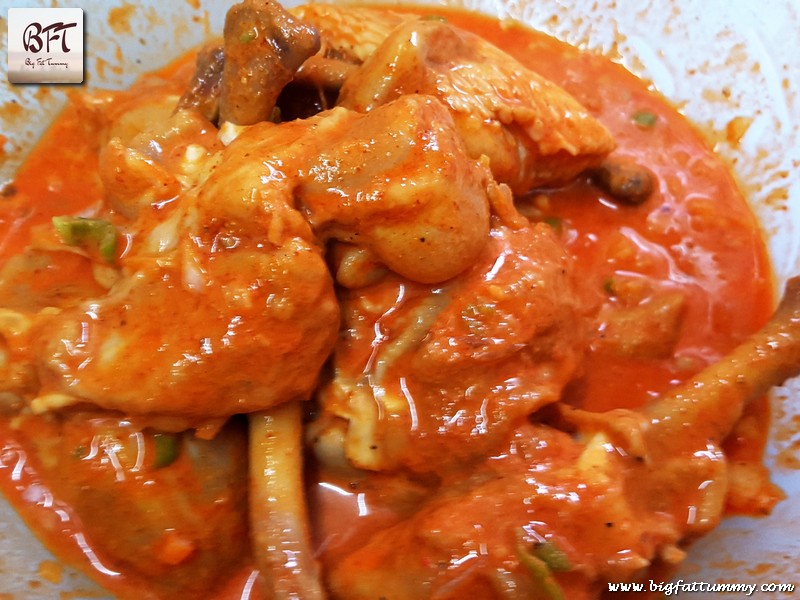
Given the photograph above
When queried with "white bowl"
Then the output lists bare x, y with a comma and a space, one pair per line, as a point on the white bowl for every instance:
715, 59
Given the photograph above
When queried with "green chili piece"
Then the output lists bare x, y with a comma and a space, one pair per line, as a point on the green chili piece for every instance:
435, 18
248, 37
546, 585
645, 118
555, 222
90, 233
553, 556
167, 449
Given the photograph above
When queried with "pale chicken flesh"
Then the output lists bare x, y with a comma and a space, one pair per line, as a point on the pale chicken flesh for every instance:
533, 132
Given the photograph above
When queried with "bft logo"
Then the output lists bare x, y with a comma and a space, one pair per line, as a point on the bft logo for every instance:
45, 45
32, 37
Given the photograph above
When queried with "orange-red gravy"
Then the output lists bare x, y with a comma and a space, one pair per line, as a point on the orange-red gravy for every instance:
695, 234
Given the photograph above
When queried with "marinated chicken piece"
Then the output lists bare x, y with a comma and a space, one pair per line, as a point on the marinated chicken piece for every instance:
422, 209
567, 525
599, 503
398, 182
240, 269
25, 298
714, 399
395, 181
189, 261
206, 84
134, 180
650, 329
324, 73
162, 507
533, 132
350, 34
427, 378
264, 46
152, 152
680, 469
227, 306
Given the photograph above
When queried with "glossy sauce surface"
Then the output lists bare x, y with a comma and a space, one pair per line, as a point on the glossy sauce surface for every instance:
695, 236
